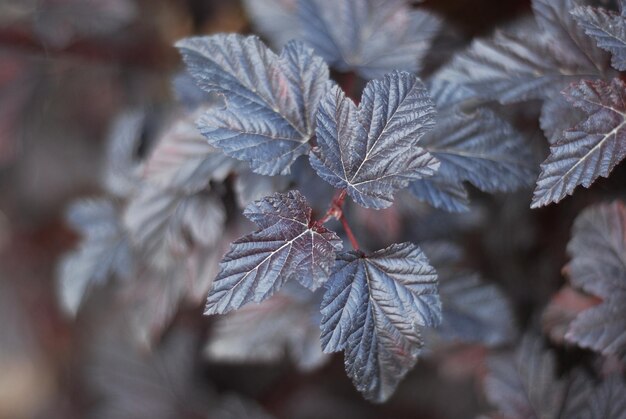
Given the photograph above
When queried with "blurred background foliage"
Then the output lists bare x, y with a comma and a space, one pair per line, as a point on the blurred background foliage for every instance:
68, 68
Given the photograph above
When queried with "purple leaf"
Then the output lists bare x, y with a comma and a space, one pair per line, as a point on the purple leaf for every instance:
374, 150
372, 310
289, 245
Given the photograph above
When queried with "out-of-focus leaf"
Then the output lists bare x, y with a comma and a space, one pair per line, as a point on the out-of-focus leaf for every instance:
104, 252
564, 307
608, 400
372, 310
60, 21
598, 267
533, 62
479, 148
474, 310
121, 173
268, 331
183, 160
592, 148
374, 150
234, 407
265, 14
289, 245
166, 225
133, 384
608, 29
558, 115
524, 385
251, 187
371, 37
271, 100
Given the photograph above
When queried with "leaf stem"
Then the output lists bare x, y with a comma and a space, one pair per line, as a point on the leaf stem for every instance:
348, 230
336, 211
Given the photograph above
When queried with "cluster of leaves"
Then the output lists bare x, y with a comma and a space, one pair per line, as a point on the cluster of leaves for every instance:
257, 130
563, 50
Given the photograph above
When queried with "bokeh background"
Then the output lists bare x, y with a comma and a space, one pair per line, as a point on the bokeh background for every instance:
68, 70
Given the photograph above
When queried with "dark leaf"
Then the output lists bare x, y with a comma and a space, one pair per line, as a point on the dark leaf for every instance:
372, 310
250, 187
370, 37
183, 160
281, 325
524, 385
533, 61
608, 29
479, 148
608, 400
271, 100
264, 15
103, 253
165, 225
592, 148
289, 245
374, 150
473, 310
598, 267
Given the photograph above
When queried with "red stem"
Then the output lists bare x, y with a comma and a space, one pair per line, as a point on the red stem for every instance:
348, 230
336, 211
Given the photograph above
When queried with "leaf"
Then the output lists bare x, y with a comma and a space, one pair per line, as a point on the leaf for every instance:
608, 29
524, 384
265, 13
121, 174
532, 62
441, 193
183, 160
271, 100
598, 266
374, 150
474, 310
372, 310
104, 252
234, 407
592, 148
370, 37
558, 115
250, 187
281, 325
165, 225
607, 401
479, 148
288, 245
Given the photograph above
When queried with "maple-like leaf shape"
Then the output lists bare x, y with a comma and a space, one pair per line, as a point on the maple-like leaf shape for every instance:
370, 37
533, 61
608, 29
104, 252
373, 150
372, 310
598, 267
271, 100
592, 148
289, 245
183, 160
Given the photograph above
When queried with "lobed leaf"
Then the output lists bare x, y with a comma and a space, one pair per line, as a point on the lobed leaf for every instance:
373, 150
592, 148
271, 100
372, 309
370, 37
608, 29
104, 252
288, 245
598, 267
532, 62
